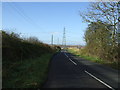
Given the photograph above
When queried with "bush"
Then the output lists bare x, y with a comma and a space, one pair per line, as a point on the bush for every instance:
22, 58
15, 48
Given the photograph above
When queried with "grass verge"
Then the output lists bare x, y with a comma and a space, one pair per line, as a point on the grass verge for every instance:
30, 73
95, 59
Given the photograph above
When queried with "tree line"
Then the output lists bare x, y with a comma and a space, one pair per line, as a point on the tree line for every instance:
15, 48
102, 35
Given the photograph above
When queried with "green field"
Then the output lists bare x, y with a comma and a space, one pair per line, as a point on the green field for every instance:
78, 53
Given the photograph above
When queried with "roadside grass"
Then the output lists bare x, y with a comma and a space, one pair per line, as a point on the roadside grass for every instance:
30, 73
77, 52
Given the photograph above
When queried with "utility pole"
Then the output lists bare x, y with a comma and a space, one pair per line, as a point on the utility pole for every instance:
58, 42
52, 40
64, 39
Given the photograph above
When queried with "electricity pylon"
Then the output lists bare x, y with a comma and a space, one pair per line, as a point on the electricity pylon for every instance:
52, 40
64, 39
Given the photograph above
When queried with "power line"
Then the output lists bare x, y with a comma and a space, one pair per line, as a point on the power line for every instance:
20, 11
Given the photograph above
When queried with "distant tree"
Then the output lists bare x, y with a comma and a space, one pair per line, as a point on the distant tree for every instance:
34, 40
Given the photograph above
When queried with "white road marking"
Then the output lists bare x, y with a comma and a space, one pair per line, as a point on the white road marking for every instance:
99, 80
92, 75
70, 59
65, 55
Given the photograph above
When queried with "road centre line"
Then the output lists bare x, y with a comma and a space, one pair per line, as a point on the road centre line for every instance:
70, 59
92, 75
65, 55
99, 80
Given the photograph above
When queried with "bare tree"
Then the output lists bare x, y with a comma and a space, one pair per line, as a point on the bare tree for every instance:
105, 12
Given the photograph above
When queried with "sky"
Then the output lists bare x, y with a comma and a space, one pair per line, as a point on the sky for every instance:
42, 19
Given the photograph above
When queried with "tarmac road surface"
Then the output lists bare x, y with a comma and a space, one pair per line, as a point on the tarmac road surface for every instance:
69, 71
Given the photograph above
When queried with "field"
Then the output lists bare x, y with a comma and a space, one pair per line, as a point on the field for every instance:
80, 53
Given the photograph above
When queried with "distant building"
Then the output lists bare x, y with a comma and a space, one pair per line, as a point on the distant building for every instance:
75, 46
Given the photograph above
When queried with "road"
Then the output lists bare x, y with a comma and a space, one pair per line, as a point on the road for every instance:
69, 71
